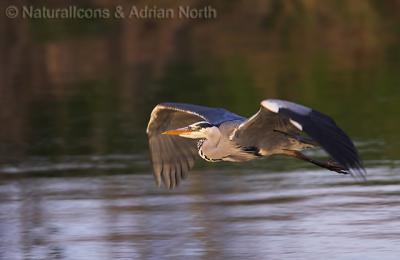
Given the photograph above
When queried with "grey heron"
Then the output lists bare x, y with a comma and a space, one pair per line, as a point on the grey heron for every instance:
179, 132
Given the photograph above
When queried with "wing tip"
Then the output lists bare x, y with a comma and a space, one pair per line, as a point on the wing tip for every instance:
358, 172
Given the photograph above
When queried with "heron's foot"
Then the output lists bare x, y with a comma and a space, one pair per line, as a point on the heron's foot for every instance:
334, 166
329, 165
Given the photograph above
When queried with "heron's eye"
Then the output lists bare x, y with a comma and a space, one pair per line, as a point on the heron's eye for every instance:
200, 125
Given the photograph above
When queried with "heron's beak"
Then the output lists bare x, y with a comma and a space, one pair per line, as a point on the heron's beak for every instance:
178, 131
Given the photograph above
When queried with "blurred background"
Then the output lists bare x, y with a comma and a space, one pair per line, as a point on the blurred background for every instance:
76, 95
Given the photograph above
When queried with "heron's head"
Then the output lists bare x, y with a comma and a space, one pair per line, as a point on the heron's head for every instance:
198, 130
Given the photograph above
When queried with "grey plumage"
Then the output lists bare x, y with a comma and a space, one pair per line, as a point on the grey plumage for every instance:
274, 129
174, 156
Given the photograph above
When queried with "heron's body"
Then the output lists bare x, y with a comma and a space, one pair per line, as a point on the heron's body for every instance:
225, 147
177, 132
222, 148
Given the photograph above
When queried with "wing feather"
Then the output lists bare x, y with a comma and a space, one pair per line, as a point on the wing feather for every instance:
258, 130
173, 156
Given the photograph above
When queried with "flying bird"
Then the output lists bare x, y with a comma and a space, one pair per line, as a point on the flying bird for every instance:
178, 133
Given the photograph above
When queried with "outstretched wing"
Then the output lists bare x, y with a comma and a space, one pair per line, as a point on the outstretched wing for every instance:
174, 156
291, 117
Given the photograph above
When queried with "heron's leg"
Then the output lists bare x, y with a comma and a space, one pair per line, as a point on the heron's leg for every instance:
330, 165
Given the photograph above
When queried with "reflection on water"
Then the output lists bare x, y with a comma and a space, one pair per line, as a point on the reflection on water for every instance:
73, 87
215, 214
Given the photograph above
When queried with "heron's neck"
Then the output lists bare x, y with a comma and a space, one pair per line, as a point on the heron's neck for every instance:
200, 143
212, 148
213, 136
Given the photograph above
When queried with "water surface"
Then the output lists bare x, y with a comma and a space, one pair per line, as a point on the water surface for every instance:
215, 214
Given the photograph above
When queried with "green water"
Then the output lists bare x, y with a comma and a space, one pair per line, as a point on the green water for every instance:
75, 98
